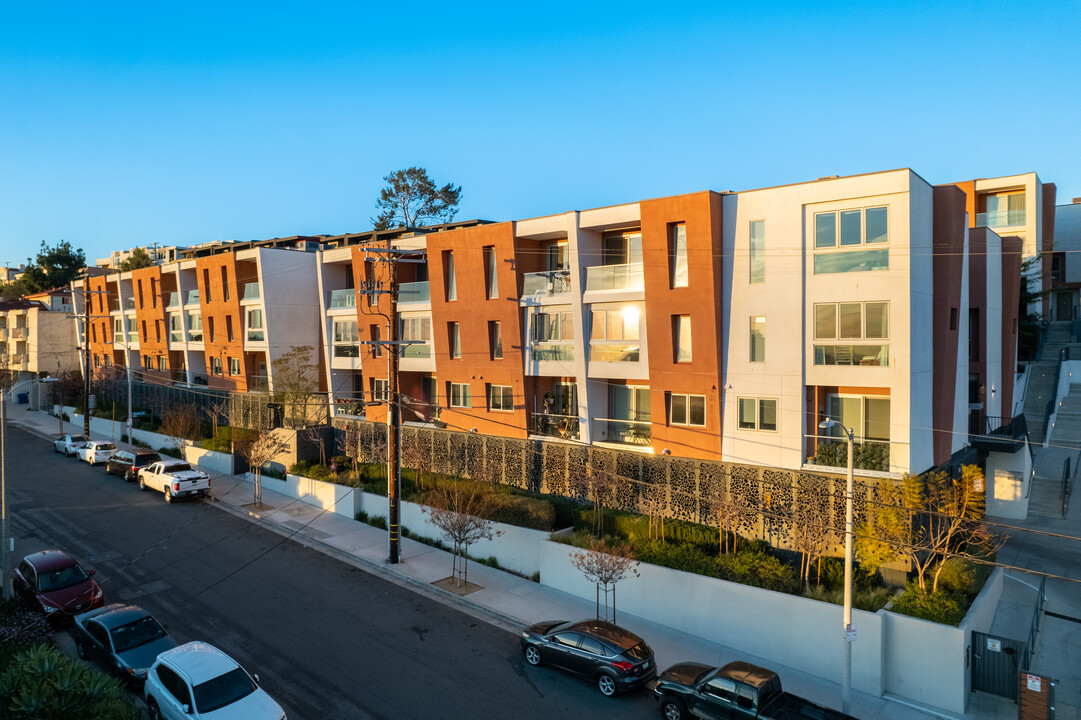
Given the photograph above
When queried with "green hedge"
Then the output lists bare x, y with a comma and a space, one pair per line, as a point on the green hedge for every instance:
943, 606
42, 682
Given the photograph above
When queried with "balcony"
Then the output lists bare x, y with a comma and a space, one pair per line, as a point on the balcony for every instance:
193, 298
346, 350
866, 454
614, 352
18, 333
174, 300
999, 434
342, 299
553, 282
3, 334
551, 353
114, 304
564, 427
414, 292
251, 291
417, 350
258, 383
866, 355
1001, 218
623, 432
129, 303
626, 277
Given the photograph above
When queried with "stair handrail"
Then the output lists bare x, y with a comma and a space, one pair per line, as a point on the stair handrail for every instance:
1064, 493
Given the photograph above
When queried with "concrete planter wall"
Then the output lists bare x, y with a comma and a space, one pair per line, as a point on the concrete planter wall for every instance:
338, 499
212, 460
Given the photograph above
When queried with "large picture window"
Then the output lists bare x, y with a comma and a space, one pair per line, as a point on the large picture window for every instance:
850, 240
758, 414
500, 397
859, 323
614, 334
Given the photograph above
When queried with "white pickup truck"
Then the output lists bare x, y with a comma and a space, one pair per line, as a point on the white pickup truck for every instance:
175, 478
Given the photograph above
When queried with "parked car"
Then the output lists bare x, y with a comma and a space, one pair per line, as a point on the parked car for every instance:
175, 478
123, 639
52, 582
127, 463
67, 444
614, 658
196, 680
95, 451
737, 690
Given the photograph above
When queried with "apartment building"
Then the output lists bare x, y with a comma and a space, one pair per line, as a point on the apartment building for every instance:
1065, 296
36, 336
218, 316
721, 326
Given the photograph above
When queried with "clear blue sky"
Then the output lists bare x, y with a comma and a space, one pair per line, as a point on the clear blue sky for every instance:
123, 124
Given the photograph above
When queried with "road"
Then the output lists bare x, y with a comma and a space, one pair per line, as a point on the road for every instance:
329, 641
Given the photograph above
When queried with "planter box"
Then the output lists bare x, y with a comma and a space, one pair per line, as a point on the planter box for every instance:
212, 460
338, 499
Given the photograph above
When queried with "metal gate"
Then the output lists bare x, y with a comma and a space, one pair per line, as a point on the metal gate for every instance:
1037, 698
996, 662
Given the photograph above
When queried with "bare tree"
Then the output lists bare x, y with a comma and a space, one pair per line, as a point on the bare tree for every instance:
605, 565
415, 457
459, 512
347, 443
296, 386
258, 449
654, 504
729, 513
179, 425
598, 486
218, 411
810, 534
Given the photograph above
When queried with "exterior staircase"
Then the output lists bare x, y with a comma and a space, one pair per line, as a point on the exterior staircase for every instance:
1041, 380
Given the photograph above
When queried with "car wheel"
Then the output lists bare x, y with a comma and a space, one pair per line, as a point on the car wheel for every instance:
142, 483
606, 684
532, 654
152, 709
80, 650
168, 496
673, 709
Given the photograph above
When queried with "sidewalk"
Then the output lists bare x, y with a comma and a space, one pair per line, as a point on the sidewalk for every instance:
511, 602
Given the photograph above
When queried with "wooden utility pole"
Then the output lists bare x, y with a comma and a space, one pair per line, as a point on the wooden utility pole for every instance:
86, 356
394, 421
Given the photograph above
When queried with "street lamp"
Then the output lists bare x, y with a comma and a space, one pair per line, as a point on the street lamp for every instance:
850, 632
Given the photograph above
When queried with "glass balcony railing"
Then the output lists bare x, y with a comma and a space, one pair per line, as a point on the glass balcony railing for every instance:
553, 282
174, 299
552, 353
414, 292
114, 305
176, 337
614, 352
866, 355
866, 454
129, 303
419, 350
133, 337
251, 291
193, 298
346, 351
615, 277
342, 299
1001, 218
560, 426
627, 432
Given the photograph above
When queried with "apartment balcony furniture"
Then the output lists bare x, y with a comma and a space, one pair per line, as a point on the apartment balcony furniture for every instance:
564, 427
626, 277
623, 432
551, 282
414, 292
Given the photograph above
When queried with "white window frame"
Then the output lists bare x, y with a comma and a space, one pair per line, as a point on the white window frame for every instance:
234, 366
679, 274
253, 332
686, 398
751, 356
380, 390
681, 328
459, 395
758, 407
503, 392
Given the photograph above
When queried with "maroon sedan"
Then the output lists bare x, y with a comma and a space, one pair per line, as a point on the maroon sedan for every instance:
52, 582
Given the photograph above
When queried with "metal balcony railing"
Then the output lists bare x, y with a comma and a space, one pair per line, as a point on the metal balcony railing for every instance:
552, 282
560, 426
627, 276
627, 432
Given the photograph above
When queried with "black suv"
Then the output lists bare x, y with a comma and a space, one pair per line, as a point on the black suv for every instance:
126, 463
614, 658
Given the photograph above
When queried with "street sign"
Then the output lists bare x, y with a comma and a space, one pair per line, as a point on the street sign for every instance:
850, 633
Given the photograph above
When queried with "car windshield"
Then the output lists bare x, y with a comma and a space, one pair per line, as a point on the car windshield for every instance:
223, 690
137, 633
640, 651
62, 578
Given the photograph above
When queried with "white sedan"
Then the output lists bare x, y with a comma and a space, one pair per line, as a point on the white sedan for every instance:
95, 451
68, 444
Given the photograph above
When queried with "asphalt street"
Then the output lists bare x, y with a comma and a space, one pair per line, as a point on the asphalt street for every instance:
328, 640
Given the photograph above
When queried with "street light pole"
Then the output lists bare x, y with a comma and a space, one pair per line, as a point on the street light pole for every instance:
5, 551
850, 632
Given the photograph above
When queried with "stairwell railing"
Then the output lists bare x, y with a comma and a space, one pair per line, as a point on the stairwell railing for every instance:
1064, 493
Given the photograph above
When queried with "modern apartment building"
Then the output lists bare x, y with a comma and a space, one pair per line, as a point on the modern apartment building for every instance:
36, 335
1065, 297
721, 326
218, 316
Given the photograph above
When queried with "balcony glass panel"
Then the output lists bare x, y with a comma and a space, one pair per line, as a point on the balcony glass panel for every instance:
174, 299
627, 276
613, 352
866, 355
420, 350
554, 282
550, 353
347, 351
193, 298
251, 291
342, 299
414, 292
560, 426
1001, 218
627, 432
866, 454
851, 261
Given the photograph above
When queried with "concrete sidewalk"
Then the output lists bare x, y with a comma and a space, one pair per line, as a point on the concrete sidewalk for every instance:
513, 602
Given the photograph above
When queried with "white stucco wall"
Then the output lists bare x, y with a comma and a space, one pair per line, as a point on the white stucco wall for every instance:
290, 298
1007, 477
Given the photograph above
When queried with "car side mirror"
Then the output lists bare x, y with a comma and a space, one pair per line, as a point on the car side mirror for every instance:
186, 709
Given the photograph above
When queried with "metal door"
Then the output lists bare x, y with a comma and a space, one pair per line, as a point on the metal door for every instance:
996, 662
1064, 306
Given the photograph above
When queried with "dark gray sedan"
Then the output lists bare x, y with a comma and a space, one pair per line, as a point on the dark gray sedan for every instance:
123, 639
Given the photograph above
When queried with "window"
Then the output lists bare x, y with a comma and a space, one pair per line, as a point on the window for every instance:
500, 397
758, 252
255, 325
234, 366
162, 363
157, 330
848, 233
491, 279
118, 326
216, 365
681, 337
153, 292
148, 363
677, 254
93, 333
758, 339
974, 334
758, 414
176, 331
418, 332
623, 249
210, 327
614, 333
953, 319
229, 327
551, 327
556, 256
97, 361
1004, 210
380, 389
224, 284
346, 339
373, 333
855, 322
455, 336
448, 271
206, 285
144, 330
195, 327
687, 409
495, 339
459, 395
868, 417
141, 304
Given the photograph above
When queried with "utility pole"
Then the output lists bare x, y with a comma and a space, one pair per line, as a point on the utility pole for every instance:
86, 356
394, 423
5, 551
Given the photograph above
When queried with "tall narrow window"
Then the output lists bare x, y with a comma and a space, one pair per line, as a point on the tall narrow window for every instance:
216, 365
454, 330
459, 395
234, 366
678, 255
681, 340
758, 339
758, 252
448, 271
153, 292
210, 327
206, 285
161, 363
224, 284
144, 331
490, 277
229, 327
141, 303
495, 332
373, 333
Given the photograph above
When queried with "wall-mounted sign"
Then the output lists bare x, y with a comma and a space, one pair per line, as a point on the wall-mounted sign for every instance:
994, 645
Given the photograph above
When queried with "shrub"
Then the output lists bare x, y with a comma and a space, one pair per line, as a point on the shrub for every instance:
42, 682
678, 557
315, 471
171, 452
139, 443
272, 473
943, 607
958, 575
20, 629
66, 417
833, 575
750, 567
871, 600
524, 512
379, 521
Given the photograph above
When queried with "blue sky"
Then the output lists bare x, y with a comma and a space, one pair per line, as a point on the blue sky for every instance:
124, 124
